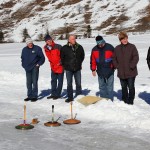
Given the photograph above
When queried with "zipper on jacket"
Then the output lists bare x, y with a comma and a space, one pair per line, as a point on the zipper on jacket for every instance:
123, 59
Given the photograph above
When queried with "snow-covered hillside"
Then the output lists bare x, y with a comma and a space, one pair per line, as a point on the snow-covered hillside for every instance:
105, 125
57, 16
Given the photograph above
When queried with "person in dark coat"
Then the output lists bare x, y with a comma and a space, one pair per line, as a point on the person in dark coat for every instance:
32, 58
101, 62
148, 58
72, 56
125, 60
52, 51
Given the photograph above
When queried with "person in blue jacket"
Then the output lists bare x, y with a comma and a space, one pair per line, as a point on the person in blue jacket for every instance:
32, 58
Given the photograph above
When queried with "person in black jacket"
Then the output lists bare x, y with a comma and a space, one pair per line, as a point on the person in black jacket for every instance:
32, 58
148, 58
72, 56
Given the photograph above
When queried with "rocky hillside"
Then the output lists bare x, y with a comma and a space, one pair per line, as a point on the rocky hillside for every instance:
59, 17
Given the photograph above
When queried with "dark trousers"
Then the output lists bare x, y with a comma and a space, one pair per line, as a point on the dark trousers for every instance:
128, 90
56, 83
77, 77
32, 82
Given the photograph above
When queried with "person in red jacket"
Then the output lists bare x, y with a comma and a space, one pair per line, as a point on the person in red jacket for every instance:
102, 65
52, 51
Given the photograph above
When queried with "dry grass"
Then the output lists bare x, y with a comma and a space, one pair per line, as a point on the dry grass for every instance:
63, 30
39, 9
105, 6
106, 23
65, 15
59, 6
44, 3
122, 18
22, 13
144, 23
71, 2
9, 4
113, 20
87, 15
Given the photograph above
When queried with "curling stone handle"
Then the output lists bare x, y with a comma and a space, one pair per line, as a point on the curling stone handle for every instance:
52, 113
52, 108
75, 116
58, 119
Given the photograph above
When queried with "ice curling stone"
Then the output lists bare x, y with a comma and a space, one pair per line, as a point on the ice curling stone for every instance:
24, 126
53, 123
72, 120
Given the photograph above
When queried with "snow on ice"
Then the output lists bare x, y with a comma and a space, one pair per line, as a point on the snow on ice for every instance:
104, 125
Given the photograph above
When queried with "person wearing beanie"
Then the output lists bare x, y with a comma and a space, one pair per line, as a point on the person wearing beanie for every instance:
52, 51
102, 65
32, 58
72, 56
29, 41
125, 60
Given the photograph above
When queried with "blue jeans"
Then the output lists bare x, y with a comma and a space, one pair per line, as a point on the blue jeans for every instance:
32, 82
77, 77
128, 90
106, 87
56, 83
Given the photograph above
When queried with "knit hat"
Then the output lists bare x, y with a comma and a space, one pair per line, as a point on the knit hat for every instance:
99, 40
28, 41
47, 37
122, 35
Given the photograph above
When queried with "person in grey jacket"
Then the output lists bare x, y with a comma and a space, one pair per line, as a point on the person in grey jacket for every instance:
32, 58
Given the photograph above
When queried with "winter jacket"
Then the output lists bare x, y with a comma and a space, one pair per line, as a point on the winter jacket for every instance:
148, 58
72, 57
125, 59
101, 60
30, 57
53, 55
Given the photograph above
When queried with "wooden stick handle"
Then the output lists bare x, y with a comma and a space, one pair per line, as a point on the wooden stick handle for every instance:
71, 111
25, 113
52, 108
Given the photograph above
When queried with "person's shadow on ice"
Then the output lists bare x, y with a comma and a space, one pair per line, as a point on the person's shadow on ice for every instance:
145, 96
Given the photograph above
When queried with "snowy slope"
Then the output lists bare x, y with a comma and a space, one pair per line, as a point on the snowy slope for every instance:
105, 125
104, 16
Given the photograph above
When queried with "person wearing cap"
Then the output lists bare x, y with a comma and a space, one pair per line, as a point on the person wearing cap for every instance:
52, 51
101, 63
32, 58
125, 60
72, 56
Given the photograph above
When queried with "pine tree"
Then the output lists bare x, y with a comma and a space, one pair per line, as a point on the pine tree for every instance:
1, 36
67, 33
61, 37
47, 32
89, 31
85, 35
40, 37
25, 34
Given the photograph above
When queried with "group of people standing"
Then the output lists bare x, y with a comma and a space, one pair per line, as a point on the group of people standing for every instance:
68, 58
104, 60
